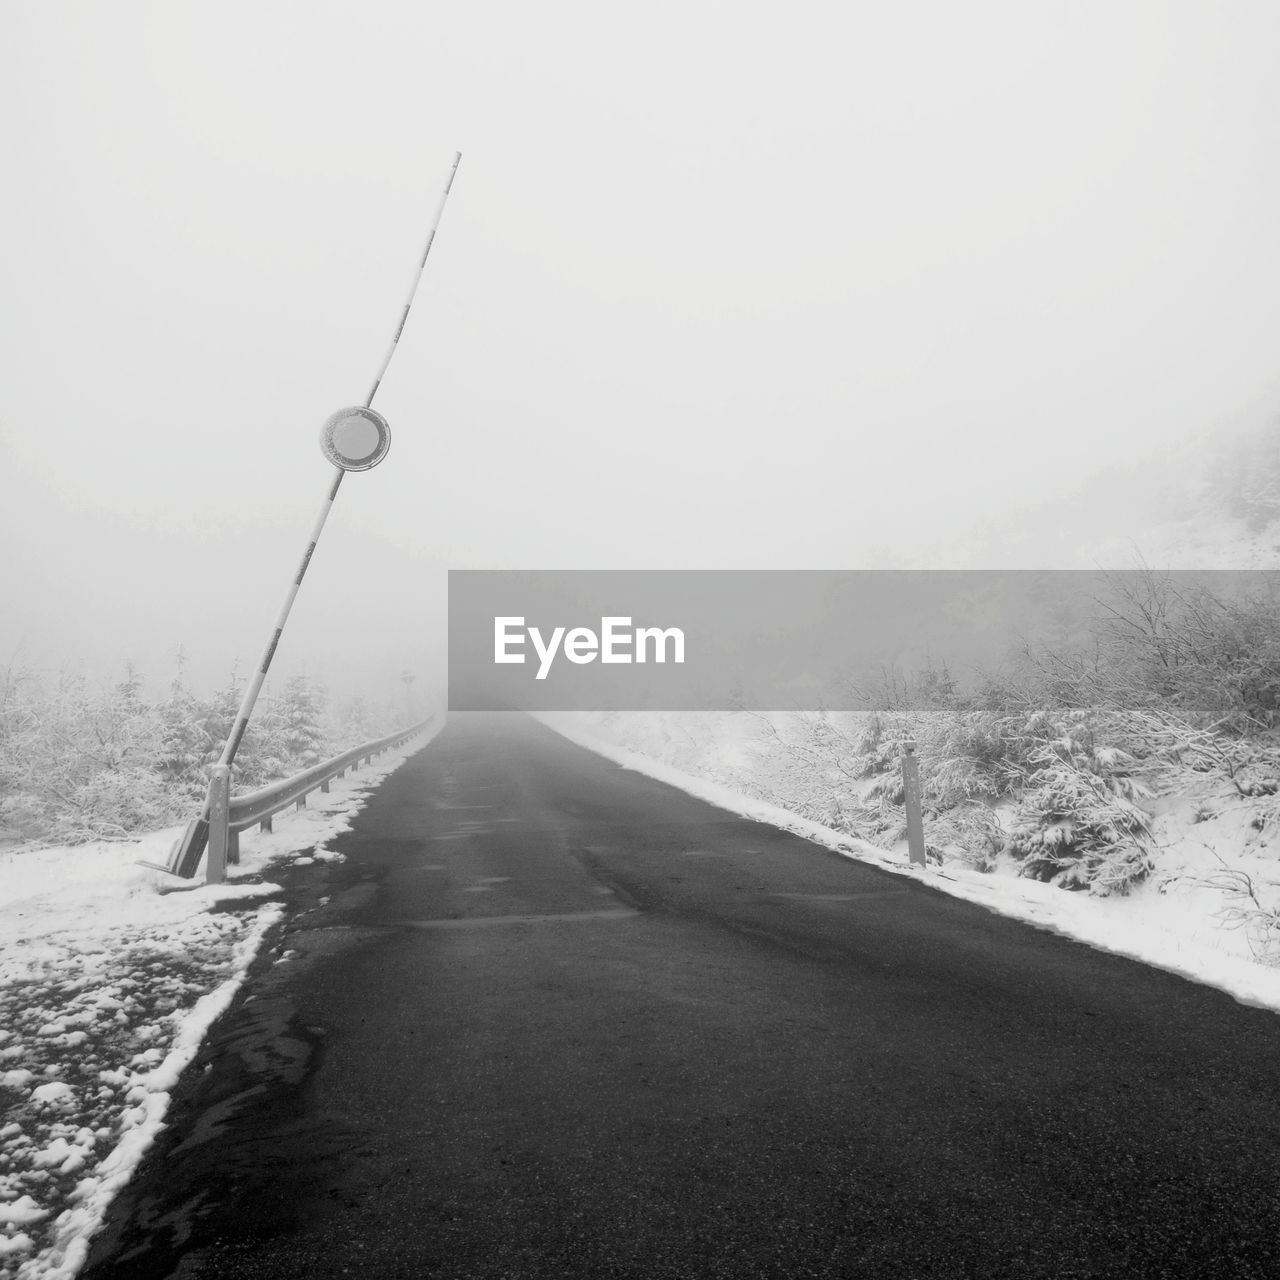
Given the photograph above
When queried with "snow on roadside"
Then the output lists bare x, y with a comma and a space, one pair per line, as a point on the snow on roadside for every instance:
1171, 923
110, 975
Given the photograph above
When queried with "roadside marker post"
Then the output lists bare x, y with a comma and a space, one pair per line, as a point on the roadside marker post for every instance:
353, 439
911, 800
219, 805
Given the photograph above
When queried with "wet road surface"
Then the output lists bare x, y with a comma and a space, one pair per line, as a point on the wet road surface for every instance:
556, 1019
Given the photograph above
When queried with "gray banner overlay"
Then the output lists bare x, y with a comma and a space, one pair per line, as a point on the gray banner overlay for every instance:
771, 640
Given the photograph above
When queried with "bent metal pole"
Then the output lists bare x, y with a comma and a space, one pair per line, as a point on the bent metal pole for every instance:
186, 854
234, 738
413, 288
255, 685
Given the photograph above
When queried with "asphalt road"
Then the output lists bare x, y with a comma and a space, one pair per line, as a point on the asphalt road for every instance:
556, 1019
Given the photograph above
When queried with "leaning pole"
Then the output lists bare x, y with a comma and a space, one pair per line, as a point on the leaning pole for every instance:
353, 439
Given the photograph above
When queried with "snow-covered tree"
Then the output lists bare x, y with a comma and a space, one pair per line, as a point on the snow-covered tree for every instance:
255, 761
181, 752
1244, 480
353, 723
299, 712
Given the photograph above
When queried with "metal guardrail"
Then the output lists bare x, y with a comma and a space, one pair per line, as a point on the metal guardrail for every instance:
260, 806
229, 815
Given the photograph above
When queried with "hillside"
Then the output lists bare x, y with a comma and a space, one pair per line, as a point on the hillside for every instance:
1210, 501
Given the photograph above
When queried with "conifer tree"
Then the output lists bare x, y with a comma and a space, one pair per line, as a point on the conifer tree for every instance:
219, 716
301, 712
181, 751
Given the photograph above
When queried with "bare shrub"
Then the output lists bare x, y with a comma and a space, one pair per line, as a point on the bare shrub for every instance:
1160, 642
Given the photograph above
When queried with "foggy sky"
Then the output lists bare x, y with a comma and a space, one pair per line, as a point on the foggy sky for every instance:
718, 285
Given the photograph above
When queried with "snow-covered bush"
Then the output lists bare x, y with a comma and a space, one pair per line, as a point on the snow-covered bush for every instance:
114, 802
876, 750
1160, 642
1073, 782
79, 763
968, 833
1077, 820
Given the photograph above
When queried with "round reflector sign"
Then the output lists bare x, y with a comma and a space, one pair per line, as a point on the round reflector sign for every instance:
355, 439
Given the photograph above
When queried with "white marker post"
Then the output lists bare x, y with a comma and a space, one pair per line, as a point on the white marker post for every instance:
354, 439
911, 800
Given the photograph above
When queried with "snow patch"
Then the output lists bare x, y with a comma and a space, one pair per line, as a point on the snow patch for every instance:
109, 981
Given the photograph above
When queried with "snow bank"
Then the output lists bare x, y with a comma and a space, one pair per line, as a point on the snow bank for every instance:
110, 976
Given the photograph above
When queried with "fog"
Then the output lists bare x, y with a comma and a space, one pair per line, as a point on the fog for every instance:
717, 285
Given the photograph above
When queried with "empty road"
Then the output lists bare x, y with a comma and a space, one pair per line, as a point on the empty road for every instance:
551, 1018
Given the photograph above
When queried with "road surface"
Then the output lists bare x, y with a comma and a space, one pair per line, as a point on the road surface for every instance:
552, 1018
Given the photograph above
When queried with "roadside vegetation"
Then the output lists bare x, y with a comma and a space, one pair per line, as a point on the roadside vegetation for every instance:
1067, 759
1061, 759
80, 762
1143, 754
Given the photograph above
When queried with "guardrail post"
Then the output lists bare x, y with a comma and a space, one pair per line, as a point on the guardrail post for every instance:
911, 800
301, 802
215, 864
233, 846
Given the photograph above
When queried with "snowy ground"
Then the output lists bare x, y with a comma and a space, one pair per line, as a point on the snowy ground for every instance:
1199, 540
108, 982
110, 974
1194, 917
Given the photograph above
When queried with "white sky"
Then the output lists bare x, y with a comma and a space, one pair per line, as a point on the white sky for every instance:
719, 285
